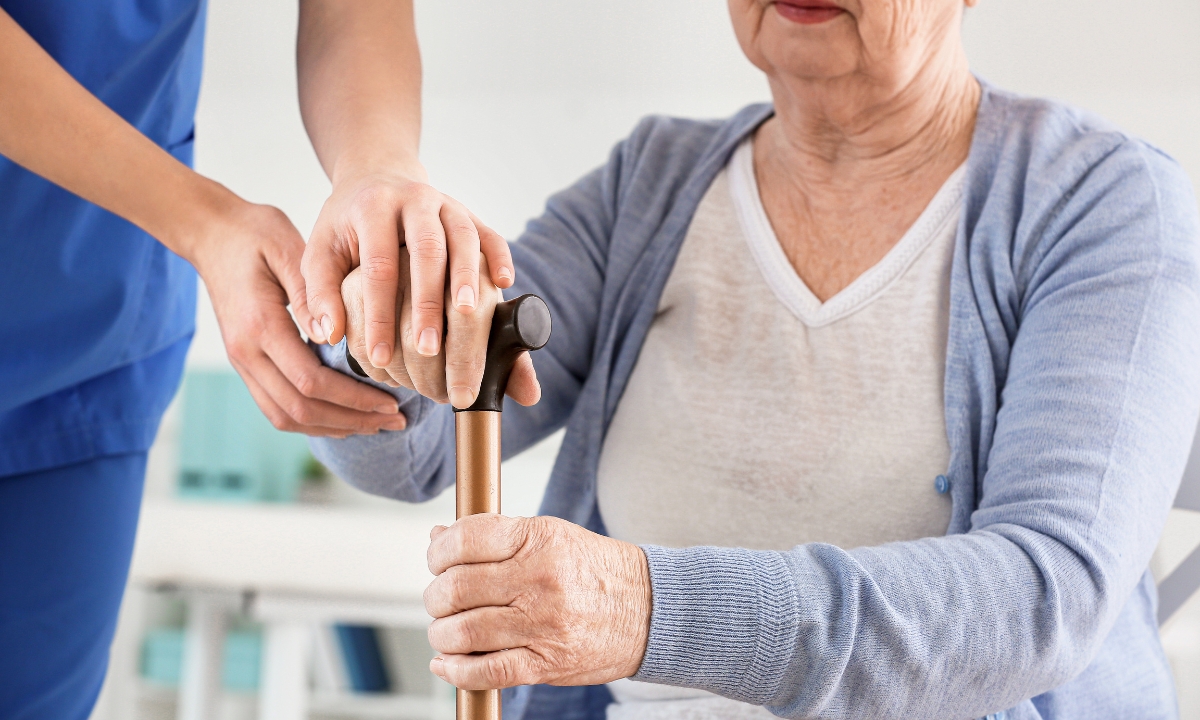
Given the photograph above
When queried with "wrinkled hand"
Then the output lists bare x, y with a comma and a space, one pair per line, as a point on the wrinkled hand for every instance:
543, 600
455, 371
364, 223
250, 263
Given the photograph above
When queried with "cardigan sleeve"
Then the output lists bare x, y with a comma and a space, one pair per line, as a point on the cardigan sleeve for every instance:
1096, 411
561, 257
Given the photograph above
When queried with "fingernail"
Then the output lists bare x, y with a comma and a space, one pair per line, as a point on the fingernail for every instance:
435, 666
427, 344
316, 334
504, 274
326, 326
396, 425
461, 397
380, 355
388, 408
466, 297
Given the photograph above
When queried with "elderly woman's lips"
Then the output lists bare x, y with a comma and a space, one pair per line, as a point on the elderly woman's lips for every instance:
807, 12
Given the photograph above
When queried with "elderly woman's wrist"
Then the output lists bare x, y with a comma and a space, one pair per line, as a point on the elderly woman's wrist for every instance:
640, 609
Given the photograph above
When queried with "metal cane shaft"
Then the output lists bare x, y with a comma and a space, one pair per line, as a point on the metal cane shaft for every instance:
518, 326
477, 490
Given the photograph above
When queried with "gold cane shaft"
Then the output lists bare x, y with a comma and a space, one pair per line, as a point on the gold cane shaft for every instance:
477, 490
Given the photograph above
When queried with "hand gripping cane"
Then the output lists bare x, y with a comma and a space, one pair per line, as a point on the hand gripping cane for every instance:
518, 325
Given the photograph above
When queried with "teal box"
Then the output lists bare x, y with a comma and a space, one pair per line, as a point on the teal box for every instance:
229, 450
241, 658
162, 656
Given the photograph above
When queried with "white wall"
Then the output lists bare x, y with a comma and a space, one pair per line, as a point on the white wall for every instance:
523, 96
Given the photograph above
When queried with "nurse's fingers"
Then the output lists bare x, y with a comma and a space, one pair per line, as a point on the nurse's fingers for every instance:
466, 341
495, 249
462, 246
310, 416
394, 374
425, 239
426, 372
379, 252
313, 394
275, 413
328, 258
287, 270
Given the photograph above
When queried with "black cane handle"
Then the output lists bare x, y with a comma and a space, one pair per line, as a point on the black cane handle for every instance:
518, 325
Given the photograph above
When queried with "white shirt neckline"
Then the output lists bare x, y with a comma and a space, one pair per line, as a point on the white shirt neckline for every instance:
777, 269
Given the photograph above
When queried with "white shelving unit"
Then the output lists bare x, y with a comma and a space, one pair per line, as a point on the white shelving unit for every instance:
293, 568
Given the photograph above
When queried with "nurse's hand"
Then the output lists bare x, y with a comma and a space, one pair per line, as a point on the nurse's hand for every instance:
454, 372
521, 601
250, 262
365, 222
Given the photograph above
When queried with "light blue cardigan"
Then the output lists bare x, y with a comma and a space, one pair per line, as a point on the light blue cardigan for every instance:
1072, 389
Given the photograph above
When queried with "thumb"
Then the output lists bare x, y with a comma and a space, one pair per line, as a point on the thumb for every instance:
287, 270
323, 268
523, 385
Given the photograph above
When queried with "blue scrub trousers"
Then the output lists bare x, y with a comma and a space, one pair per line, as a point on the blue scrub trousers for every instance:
66, 536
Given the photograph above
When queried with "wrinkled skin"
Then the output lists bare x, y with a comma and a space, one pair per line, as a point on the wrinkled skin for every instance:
546, 600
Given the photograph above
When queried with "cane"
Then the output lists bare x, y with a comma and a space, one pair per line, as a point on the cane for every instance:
518, 325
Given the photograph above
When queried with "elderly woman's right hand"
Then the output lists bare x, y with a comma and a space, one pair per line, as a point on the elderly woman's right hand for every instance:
455, 372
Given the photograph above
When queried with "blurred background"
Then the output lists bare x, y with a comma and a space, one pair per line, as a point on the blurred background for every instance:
261, 587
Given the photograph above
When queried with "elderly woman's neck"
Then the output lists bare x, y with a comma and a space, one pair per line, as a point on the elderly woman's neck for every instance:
844, 170
849, 131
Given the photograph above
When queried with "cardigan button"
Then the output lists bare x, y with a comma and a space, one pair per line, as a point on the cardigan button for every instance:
942, 484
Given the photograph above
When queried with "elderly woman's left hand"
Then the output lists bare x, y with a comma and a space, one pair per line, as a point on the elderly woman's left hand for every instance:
521, 601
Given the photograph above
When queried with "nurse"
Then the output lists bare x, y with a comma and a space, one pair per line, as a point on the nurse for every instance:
103, 228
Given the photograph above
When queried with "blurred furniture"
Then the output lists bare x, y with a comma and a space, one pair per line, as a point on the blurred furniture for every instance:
291, 567
228, 450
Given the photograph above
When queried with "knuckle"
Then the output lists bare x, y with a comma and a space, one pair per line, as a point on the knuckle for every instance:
462, 229
281, 422
426, 246
456, 588
381, 269
430, 306
425, 195
373, 198
465, 368
501, 672
463, 637
464, 275
301, 413
306, 383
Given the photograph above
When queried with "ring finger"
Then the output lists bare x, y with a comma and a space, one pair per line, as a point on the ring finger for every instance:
485, 629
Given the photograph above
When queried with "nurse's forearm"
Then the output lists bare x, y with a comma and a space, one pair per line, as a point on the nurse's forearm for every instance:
360, 86
51, 125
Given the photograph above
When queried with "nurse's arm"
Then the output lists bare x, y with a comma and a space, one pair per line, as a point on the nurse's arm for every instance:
249, 255
360, 90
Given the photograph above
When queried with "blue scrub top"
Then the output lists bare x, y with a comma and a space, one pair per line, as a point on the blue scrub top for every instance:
96, 314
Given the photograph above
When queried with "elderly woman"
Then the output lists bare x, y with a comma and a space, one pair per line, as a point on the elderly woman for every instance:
875, 402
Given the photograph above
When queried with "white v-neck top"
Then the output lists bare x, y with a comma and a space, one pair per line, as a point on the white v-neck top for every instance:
759, 417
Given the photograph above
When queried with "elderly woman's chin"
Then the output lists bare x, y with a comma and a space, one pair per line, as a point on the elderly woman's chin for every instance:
826, 39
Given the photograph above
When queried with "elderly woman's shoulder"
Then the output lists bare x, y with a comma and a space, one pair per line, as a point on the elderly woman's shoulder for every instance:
1055, 144
665, 139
